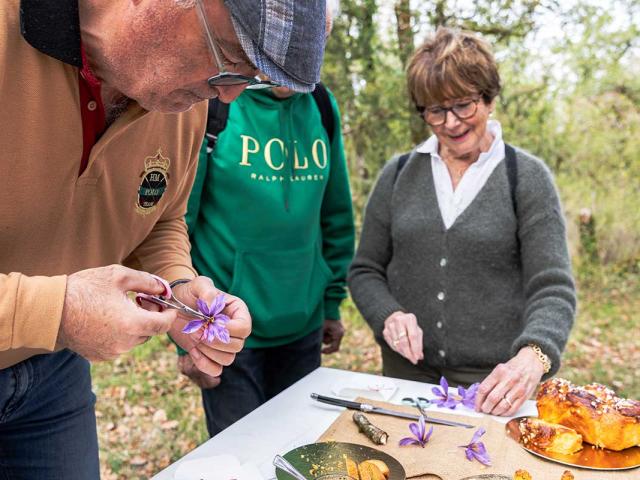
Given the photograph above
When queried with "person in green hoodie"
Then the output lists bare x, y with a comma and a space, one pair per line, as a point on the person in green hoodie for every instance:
270, 220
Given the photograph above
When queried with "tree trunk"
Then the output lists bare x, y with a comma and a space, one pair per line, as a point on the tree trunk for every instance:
405, 50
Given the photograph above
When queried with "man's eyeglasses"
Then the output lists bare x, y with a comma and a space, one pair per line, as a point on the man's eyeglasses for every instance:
224, 78
436, 116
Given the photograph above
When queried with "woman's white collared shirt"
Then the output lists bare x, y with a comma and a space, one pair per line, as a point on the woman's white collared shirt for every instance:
453, 202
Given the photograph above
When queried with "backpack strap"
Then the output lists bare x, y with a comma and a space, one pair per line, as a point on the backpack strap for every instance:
512, 176
217, 116
402, 160
321, 97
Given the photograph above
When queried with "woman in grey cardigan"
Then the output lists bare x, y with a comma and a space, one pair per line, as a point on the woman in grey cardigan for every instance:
462, 269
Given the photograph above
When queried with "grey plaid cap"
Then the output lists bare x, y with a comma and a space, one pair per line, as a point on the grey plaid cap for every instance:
283, 38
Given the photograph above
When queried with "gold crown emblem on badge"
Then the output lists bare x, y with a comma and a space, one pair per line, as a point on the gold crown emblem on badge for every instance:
158, 161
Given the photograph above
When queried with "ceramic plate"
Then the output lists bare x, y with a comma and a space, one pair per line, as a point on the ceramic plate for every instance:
589, 457
326, 459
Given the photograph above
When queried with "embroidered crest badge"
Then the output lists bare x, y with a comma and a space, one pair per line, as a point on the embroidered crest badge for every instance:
154, 181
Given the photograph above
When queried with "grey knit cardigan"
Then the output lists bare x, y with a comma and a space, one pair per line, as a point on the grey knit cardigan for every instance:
477, 298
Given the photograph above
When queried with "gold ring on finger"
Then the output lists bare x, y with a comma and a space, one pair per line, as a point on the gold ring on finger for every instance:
508, 401
402, 335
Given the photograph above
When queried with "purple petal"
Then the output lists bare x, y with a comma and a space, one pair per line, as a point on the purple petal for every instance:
415, 429
203, 307
438, 393
221, 318
481, 454
469, 396
223, 335
469, 454
428, 435
218, 305
469, 402
477, 435
203, 336
445, 385
192, 326
421, 428
408, 441
451, 403
211, 334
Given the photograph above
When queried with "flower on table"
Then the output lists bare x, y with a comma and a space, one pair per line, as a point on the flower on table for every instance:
443, 399
420, 434
215, 326
465, 396
468, 395
476, 449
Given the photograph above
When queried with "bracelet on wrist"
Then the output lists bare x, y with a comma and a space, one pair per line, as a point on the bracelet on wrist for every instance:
543, 357
180, 281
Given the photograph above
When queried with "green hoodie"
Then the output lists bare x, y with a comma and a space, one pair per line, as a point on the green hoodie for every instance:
275, 228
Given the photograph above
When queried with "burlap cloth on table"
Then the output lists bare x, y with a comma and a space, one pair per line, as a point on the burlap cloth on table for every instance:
442, 458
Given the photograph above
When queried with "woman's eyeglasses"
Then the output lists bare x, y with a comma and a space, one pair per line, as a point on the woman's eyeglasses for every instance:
224, 78
436, 116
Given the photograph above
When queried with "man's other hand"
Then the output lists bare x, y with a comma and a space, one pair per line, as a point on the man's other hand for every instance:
210, 358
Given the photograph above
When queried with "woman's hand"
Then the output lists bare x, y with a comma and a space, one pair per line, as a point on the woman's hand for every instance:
510, 384
403, 335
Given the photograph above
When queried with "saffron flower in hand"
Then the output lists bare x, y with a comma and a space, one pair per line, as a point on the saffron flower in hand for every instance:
420, 435
443, 398
476, 449
216, 324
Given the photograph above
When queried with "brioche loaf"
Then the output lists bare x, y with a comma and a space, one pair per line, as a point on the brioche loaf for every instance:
594, 411
550, 436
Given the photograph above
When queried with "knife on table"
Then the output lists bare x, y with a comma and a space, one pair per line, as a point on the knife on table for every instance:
367, 408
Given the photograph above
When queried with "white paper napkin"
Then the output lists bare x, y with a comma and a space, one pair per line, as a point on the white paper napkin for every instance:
381, 388
220, 467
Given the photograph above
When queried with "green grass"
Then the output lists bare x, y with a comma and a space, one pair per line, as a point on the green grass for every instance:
149, 416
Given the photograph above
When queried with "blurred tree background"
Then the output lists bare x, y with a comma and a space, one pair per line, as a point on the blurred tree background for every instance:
571, 76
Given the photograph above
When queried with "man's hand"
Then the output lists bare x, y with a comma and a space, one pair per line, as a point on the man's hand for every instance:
201, 379
210, 358
99, 321
509, 384
402, 334
332, 333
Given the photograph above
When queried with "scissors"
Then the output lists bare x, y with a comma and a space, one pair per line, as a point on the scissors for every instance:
169, 301
420, 403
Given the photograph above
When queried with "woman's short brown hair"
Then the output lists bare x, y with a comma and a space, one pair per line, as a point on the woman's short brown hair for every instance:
452, 64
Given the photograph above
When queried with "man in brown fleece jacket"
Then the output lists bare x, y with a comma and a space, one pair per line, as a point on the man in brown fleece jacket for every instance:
101, 121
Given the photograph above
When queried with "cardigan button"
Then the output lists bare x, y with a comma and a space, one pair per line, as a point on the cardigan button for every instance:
439, 324
440, 296
92, 105
443, 262
441, 353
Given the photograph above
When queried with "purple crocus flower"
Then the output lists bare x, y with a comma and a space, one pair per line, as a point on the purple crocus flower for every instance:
468, 395
216, 324
420, 435
476, 449
443, 398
